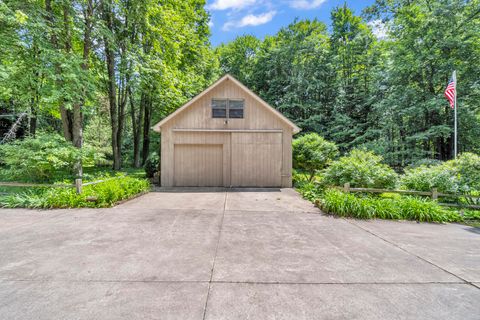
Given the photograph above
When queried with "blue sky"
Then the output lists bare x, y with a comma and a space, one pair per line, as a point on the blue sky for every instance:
231, 18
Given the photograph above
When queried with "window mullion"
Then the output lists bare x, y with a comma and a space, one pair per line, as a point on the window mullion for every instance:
228, 108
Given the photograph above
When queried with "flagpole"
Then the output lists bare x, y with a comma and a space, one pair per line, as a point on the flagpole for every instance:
455, 112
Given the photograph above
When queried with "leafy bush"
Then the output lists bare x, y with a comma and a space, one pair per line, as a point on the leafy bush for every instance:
106, 193
298, 178
312, 152
361, 169
97, 136
460, 175
406, 208
424, 178
471, 215
151, 165
467, 168
43, 158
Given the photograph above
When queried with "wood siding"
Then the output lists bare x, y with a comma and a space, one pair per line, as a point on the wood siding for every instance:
253, 157
198, 165
256, 159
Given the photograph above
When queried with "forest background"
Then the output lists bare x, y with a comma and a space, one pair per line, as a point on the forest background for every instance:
100, 73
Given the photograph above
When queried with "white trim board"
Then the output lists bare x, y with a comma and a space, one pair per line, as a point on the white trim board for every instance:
228, 130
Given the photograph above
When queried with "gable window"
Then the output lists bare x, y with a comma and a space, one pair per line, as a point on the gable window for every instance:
219, 108
228, 108
235, 109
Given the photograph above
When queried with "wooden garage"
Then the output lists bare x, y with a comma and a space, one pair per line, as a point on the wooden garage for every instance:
226, 136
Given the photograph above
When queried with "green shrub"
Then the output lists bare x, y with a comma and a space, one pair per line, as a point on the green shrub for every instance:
298, 178
471, 215
97, 136
151, 165
106, 193
362, 169
405, 208
424, 178
467, 168
312, 152
43, 158
460, 175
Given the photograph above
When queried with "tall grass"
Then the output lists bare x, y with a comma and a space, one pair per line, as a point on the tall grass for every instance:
343, 204
105, 194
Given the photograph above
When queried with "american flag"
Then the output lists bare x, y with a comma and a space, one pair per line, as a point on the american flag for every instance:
450, 92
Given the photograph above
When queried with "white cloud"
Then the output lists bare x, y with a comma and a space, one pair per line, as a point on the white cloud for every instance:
305, 4
379, 29
230, 4
250, 20
255, 20
210, 24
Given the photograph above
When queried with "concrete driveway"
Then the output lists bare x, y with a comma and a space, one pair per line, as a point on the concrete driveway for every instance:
264, 254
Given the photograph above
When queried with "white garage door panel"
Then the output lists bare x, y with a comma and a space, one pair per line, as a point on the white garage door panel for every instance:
198, 165
256, 159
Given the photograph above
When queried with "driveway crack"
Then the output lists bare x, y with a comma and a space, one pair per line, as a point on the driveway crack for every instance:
215, 255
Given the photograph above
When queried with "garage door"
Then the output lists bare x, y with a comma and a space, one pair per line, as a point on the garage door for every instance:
256, 159
198, 165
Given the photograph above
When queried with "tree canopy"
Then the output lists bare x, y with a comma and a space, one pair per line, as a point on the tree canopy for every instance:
359, 88
72, 63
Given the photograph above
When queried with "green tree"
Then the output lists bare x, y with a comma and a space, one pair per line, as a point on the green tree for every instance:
238, 57
312, 153
427, 40
157, 55
353, 52
293, 73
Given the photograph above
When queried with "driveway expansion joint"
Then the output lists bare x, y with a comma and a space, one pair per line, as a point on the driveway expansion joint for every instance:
413, 254
215, 255
238, 282
102, 281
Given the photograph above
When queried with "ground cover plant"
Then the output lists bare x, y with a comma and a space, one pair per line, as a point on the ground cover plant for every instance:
399, 208
104, 194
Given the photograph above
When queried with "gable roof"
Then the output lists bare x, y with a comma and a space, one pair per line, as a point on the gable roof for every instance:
226, 77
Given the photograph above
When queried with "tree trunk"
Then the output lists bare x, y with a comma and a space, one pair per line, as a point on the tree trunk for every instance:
75, 116
146, 129
34, 100
33, 118
112, 96
77, 126
137, 120
121, 119
65, 115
